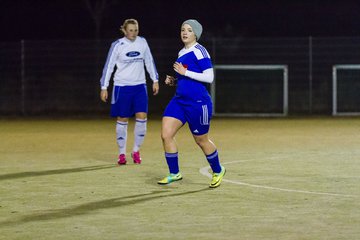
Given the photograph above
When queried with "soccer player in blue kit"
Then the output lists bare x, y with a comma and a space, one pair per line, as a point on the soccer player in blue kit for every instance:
129, 96
191, 104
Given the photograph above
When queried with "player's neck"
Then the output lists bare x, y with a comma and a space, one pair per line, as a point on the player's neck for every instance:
130, 39
189, 45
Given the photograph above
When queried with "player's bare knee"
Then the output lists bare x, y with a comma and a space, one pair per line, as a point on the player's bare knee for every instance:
201, 141
166, 137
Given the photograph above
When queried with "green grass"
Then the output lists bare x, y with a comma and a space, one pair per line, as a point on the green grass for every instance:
286, 179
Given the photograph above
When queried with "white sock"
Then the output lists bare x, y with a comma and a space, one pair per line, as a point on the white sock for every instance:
139, 133
121, 136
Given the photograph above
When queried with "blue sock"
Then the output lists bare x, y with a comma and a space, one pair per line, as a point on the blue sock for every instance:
172, 161
213, 160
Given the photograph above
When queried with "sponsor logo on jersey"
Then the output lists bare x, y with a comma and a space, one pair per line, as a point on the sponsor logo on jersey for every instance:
133, 54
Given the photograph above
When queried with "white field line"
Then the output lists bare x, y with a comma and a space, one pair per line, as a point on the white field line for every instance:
205, 171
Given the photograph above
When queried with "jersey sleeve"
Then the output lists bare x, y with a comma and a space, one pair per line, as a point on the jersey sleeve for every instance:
109, 66
204, 63
150, 63
203, 57
206, 76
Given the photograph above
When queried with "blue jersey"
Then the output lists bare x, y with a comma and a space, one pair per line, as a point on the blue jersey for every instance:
192, 102
195, 59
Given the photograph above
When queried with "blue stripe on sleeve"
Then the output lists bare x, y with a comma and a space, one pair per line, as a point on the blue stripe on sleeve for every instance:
203, 51
102, 80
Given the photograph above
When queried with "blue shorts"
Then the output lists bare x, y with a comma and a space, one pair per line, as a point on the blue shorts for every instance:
196, 114
128, 100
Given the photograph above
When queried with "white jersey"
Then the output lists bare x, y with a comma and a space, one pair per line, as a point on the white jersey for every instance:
129, 58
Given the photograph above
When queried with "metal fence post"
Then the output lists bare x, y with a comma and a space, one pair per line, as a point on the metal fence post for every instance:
22, 44
310, 73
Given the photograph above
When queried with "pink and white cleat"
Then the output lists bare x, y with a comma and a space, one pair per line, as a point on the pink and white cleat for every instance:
122, 159
136, 157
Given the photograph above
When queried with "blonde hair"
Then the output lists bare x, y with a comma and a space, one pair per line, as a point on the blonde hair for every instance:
127, 22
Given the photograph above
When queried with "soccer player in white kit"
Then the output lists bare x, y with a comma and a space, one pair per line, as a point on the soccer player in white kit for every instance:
129, 97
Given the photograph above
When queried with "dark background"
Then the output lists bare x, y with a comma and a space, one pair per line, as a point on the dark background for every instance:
72, 19
52, 52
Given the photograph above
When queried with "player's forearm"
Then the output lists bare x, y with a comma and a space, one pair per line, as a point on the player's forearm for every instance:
150, 67
107, 71
207, 76
104, 81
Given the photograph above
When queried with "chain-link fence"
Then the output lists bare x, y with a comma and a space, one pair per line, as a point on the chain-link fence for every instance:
62, 77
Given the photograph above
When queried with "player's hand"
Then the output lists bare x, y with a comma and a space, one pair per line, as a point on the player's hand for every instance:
104, 95
179, 68
170, 80
156, 88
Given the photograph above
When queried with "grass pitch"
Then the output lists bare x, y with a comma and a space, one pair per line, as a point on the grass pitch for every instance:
286, 179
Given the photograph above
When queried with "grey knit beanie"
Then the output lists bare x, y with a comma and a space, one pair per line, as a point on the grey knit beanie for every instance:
196, 27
